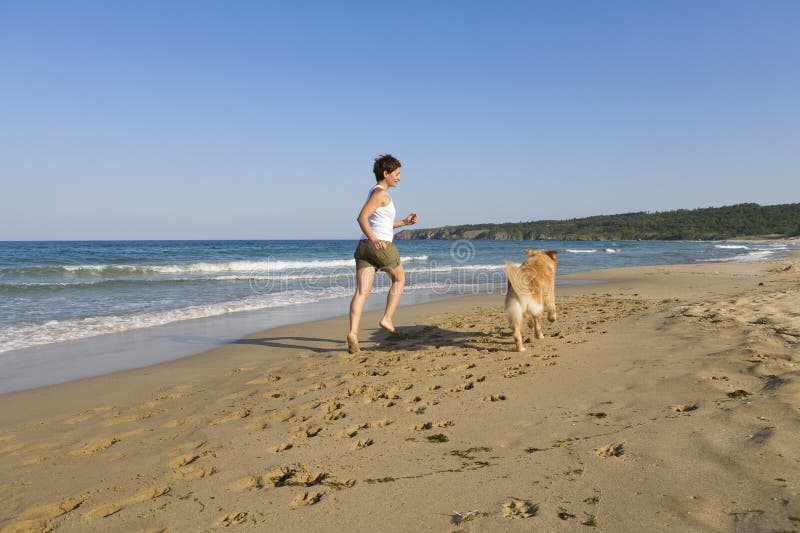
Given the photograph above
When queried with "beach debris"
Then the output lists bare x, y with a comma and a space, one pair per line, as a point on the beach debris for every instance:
591, 520
611, 450
467, 454
517, 508
438, 438
334, 484
466, 516
685, 407
563, 514
598, 415
738, 394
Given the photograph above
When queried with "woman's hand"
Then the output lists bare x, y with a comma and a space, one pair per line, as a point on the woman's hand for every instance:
410, 220
378, 244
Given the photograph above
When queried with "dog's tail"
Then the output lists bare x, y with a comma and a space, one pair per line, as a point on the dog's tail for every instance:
521, 278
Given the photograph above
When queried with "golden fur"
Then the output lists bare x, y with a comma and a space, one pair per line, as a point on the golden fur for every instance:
531, 292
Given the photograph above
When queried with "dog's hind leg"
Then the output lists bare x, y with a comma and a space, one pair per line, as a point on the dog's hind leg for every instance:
537, 326
517, 325
550, 304
515, 317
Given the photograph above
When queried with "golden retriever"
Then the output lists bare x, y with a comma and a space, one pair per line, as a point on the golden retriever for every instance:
531, 292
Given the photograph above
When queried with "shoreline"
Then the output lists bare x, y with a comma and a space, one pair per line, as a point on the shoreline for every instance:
627, 399
65, 361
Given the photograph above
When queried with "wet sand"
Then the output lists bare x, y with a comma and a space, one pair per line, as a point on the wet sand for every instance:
663, 399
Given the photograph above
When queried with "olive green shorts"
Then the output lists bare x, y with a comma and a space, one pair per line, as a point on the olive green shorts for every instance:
367, 256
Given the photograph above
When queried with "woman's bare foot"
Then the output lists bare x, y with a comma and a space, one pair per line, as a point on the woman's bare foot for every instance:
352, 344
387, 325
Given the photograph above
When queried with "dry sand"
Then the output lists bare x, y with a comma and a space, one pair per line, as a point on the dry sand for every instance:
663, 399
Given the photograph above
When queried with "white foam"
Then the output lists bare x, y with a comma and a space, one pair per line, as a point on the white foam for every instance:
268, 265
26, 335
612, 250
755, 255
455, 268
732, 246
581, 251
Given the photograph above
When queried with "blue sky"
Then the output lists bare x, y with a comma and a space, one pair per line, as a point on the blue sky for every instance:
206, 120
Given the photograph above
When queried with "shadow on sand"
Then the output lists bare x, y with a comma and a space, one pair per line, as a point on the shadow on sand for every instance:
408, 338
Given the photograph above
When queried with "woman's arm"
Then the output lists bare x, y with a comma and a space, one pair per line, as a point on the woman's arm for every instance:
410, 220
374, 202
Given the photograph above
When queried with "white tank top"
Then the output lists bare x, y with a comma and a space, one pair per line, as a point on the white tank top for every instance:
382, 220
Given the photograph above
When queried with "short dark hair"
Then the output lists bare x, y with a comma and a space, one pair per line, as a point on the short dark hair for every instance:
384, 163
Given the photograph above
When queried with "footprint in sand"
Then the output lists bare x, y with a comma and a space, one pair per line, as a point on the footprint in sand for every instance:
287, 476
272, 378
495, 398
229, 417
353, 430
115, 507
611, 450
95, 446
86, 415
307, 498
125, 419
400, 388
362, 443
685, 407
468, 385
183, 460
52, 510
424, 426
310, 406
282, 447
232, 519
194, 472
174, 423
335, 415
295, 476
308, 433
517, 508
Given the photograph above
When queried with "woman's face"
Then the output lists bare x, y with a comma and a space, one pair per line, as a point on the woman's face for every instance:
392, 178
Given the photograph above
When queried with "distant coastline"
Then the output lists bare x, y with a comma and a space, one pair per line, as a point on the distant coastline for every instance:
742, 221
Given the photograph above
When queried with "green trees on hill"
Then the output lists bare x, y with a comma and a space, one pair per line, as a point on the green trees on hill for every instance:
712, 223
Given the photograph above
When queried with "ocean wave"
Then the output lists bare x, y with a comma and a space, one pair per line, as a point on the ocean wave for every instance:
756, 255
27, 335
268, 265
732, 246
613, 250
454, 268
581, 251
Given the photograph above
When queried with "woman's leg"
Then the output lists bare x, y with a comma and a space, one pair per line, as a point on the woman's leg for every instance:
398, 276
364, 278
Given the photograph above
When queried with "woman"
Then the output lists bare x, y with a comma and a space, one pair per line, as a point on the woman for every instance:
375, 250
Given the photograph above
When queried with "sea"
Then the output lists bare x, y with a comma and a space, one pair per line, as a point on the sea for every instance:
74, 309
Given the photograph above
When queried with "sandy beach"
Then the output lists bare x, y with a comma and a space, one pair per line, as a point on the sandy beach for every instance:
663, 399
